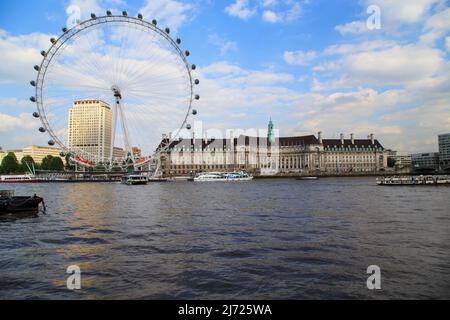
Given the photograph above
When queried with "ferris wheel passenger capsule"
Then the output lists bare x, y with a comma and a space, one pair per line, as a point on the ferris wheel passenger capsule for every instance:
178, 41
93, 16
197, 81
194, 112
33, 83
140, 16
42, 129
197, 97
43, 53
35, 114
167, 30
154, 22
36, 67
187, 53
62, 154
193, 67
108, 13
188, 126
53, 40
64, 30
124, 13
32, 99
51, 143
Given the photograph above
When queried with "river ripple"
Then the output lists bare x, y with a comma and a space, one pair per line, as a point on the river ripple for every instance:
264, 239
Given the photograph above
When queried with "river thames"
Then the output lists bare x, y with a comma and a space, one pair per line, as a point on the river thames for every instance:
264, 239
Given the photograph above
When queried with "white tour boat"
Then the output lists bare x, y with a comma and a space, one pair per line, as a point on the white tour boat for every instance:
134, 179
223, 176
22, 178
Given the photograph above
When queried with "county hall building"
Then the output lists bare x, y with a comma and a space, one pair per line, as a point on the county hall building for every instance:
275, 155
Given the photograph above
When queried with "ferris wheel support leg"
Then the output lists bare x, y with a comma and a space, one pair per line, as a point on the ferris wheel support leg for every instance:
126, 135
113, 135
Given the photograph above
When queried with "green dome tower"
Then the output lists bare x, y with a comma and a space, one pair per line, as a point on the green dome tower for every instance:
270, 135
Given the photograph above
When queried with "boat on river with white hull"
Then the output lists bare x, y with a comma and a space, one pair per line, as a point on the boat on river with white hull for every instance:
21, 178
223, 176
413, 180
134, 179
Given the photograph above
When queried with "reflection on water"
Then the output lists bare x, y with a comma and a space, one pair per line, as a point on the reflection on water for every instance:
262, 239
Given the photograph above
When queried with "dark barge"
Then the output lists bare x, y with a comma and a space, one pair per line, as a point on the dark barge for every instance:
10, 204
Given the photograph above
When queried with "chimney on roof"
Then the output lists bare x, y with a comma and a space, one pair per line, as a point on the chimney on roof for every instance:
342, 138
319, 136
372, 140
352, 137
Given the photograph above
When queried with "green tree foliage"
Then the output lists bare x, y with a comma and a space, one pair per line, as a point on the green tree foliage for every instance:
27, 163
45, 165
56, 164
10, 164
69, 166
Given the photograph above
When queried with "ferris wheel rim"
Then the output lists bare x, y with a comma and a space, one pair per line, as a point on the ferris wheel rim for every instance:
95, 21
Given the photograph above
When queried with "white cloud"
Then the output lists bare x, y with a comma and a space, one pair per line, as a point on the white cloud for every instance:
85, 8
14, 124
378, 63
19, 54
8, 103
222, 68
354, 27
394, 15
240, 9
293, 12
436, 27
270, 16
402, 12
300, 57
233, 75
447, 43
396, 65
170, 13
224, 45
360, 46
269, 3
284, 11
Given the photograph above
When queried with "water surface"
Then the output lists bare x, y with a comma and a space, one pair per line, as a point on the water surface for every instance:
264, 239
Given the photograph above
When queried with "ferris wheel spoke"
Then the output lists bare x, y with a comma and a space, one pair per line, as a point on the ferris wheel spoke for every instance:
146, 80
143, 74
153, 61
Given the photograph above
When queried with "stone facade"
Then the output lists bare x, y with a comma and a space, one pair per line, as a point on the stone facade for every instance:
285, 156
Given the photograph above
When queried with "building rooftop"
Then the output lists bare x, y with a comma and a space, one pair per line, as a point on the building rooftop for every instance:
360, 143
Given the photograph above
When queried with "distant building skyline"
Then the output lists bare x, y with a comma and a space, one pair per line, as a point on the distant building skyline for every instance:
38, 153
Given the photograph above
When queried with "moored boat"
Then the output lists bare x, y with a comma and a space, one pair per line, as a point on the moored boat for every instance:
21, 178
134, 179
223, 176
442, 180
413, 180
10, 204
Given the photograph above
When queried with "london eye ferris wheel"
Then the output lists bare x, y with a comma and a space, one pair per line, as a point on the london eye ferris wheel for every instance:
109, 88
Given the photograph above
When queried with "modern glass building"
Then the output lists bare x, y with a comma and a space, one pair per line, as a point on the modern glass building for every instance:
444, 150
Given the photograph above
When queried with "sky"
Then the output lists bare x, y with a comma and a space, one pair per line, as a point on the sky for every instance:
334, 66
